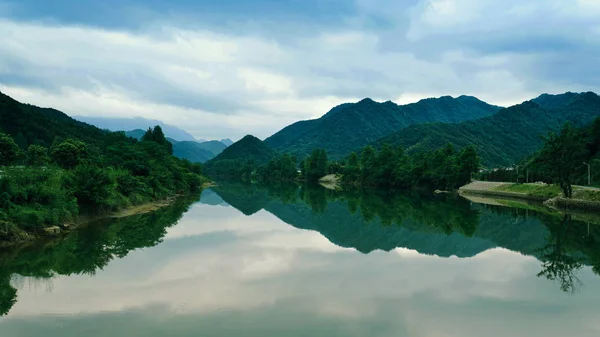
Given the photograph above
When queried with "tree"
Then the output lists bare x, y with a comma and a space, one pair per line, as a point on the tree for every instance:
91, 185
561, 157
157, 135
9, 150
467, 163
37, 155
315, 166
70, 153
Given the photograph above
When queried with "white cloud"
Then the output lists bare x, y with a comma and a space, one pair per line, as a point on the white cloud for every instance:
220, 83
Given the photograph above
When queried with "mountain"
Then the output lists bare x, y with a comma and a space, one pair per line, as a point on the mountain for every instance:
240, 159
213, 146
196, 152
192, 151
246, 148
137, 134
122, 124
353, 125
509, 135
226, 141
29, 124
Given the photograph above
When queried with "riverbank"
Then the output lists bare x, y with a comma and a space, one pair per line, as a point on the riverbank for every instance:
584, 199
11, 235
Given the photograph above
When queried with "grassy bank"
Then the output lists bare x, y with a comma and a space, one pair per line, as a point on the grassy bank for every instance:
533, 190
583, 199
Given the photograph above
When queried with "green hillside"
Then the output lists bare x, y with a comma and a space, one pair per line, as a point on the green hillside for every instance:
248, 152
352, 125
509, 135
29, 124
53, 167
196, 152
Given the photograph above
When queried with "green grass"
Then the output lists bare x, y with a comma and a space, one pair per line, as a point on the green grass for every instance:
546, 191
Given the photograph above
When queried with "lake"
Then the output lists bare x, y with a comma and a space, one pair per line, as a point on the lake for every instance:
243, 260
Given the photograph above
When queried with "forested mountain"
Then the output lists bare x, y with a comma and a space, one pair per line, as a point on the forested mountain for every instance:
213, 146
196, 152
29, 124
509, 135
58, 166
350, 126
248, 152
123, 124
248, 147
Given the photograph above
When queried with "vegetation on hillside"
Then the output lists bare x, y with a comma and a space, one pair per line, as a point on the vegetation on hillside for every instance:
506, 137
351, 126
62, 166
241, 159
48, 187
196, 152
563, 159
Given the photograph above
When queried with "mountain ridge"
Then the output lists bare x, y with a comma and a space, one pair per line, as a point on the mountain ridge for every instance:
349, 126
507, 136
133, 123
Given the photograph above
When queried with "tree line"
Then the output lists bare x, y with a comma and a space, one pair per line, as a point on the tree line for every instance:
563, 160
388, 167
42, 187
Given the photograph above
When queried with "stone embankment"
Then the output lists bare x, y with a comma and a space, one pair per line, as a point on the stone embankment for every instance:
491, 190
488, 189
574, 204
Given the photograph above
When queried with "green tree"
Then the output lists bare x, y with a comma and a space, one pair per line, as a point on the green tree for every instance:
467, 163
157, 135
9, 150
92, 185
70, 153
37, 155
562, 155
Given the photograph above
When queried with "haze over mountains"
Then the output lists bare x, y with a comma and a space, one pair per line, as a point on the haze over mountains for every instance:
194, 151
137, 123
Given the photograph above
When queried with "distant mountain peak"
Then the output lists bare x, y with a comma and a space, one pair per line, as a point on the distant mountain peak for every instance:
366, 100
247, 148
226, 141
132, 123
350, 126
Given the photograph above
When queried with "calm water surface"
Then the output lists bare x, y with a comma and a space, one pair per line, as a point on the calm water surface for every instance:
253, 261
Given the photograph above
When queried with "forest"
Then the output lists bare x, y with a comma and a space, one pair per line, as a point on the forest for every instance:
570, 156
389, 168
42, 187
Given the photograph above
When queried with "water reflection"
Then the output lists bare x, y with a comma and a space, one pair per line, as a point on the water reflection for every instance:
470, 268
86, 250
441, 225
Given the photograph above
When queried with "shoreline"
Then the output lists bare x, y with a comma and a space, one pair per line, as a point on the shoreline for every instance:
21, 237
490, 190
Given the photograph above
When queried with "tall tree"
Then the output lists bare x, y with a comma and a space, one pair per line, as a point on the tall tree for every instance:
9, 150
467, 163
70, 153
562, 156
37, 155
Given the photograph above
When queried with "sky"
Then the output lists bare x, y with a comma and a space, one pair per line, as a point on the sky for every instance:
227, 68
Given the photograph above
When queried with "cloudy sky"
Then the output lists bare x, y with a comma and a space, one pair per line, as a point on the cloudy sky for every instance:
225, 68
